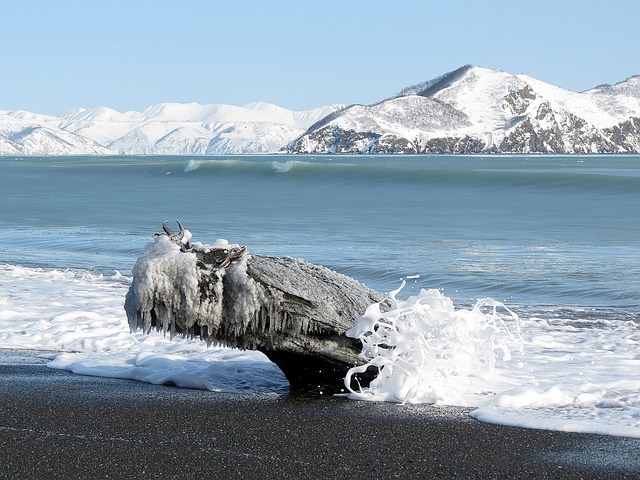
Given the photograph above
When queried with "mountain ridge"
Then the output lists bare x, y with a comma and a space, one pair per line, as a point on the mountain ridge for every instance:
468, 110
505, 113
161, 129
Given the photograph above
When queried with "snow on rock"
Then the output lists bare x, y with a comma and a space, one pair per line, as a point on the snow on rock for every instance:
621, 100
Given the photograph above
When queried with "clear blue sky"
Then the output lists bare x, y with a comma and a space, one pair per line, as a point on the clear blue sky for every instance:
299, 54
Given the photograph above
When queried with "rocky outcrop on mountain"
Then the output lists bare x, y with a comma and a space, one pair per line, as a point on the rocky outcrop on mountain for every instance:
567, 134
626, 135
477, 110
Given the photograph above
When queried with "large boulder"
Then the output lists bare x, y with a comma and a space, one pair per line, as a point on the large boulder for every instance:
295, 312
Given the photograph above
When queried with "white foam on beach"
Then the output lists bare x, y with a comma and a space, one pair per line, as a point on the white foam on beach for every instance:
565, 374
557, 374
577, 376
81, 317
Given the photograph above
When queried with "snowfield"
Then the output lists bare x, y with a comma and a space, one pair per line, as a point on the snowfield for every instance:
167, 128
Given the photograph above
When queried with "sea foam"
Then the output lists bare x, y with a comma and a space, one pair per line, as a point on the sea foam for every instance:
428, 351
562, 374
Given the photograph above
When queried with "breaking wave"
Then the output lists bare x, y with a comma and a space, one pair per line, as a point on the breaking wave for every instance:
427, 351
435, 171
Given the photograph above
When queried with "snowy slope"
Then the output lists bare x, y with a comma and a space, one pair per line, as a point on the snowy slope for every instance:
167, 128
621, 100
398, 123
174, 128
486, 111
24, 133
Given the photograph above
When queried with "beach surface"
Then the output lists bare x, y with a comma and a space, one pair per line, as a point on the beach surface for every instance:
55, 424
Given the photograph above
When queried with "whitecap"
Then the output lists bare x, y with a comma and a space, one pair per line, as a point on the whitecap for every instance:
192, 165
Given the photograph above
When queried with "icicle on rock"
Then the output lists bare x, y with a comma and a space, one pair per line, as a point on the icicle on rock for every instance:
295, 312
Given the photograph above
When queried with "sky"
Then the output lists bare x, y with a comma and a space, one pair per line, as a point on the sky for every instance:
298, 54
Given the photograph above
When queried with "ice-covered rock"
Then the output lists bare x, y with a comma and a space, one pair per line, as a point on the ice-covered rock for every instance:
295, 312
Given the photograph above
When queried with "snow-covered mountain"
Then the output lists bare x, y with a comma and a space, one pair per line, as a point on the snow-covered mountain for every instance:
25, 133
474, 110
173, 128
469, 110
168, 128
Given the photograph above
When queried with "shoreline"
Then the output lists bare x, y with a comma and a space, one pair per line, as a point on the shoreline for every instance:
56, 423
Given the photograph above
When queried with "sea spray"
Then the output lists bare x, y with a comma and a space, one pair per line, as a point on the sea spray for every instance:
427, 351
192, 166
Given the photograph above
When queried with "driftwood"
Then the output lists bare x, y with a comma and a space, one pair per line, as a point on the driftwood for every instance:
295, 312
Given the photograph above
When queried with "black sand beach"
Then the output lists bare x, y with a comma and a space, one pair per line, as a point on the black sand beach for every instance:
54, 424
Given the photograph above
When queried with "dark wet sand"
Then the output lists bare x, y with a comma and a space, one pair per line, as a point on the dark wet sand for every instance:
55, 424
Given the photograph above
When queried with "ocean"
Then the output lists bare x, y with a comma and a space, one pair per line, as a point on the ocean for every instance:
543, 249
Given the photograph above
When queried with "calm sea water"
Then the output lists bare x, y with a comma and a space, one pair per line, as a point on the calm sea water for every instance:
542, 233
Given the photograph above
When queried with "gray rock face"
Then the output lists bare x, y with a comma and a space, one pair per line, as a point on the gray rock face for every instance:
626, 135
295, 312
570, 134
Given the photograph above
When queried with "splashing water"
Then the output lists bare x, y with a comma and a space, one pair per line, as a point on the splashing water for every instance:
428, 351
